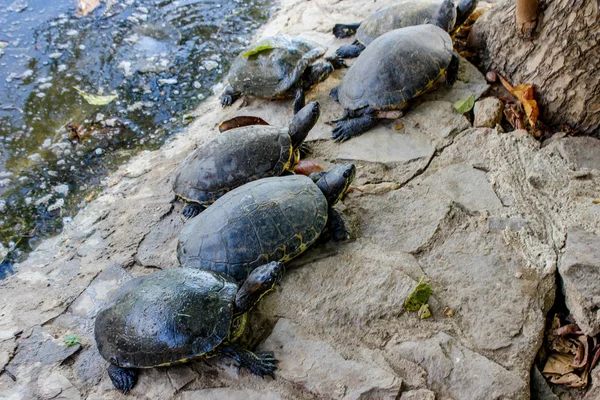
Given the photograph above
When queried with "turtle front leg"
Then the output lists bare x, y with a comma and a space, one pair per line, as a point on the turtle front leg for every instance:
356, 126
299, 101
229, 96
452, 71
191, 210
350, 50
344, 30
261, 364
260, 282
123, 379
463, 10
336, 226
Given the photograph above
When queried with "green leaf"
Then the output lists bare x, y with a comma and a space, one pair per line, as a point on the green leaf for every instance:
71, 340
465, 105
424, 312
96, 99
418, 297
260, 46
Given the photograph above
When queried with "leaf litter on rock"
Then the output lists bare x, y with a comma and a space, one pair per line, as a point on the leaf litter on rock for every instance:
572, 355
95, 99
418, 296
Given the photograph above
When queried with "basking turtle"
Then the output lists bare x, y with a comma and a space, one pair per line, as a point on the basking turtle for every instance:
272, 219
241, 155
180, 314
400, 15
397, 67
276, 66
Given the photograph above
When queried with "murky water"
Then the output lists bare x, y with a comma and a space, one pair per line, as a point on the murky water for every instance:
161, 58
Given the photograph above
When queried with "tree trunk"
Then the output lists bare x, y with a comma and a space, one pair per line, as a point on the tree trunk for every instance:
562, 59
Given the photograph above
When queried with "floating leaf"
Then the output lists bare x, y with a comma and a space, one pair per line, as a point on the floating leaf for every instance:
424, 312
84, 7
95, 99
242, 120
261, 46
523, 93
307, 167
418, 297
71, 340
3, 44
465, 105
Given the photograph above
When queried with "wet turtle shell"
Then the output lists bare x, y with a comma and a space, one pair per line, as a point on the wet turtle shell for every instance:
232, 159
270, 73
272, 219
400, 15
396, 67
168, 317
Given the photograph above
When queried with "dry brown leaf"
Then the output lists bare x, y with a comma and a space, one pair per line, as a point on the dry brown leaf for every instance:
307, 167
523, 93
84, 7
558, 364
566, 330
596, 200
449, 312
240, 121
569, 379
582, 355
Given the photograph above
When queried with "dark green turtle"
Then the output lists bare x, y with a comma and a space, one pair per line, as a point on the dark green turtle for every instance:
241, 155
180, 314
272, 219
400, 15
394, 69
276, 67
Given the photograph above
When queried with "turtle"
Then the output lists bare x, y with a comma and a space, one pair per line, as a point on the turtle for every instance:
180, 314
238, 156
400, 15
271, 219
277, 66
394, 69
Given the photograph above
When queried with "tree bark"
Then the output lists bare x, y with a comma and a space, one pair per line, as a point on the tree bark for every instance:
562, 60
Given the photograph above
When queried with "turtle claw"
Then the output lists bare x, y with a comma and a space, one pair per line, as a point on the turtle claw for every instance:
226, 100
265, 364
191, 210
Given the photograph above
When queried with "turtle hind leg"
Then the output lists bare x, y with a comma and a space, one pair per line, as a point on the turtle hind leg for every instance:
345, 30
123, 379
356, 126
229, 96
350, 50
452, 71
261, 364
191, 210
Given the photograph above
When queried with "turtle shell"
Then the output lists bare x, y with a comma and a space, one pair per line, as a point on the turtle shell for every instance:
272, 72
400, 15
272, 219
167, 317
232, 159
397, 67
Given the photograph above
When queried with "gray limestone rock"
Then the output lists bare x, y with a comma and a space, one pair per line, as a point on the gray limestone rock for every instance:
579, 268
229, 394
316, 366
466, 186
460, 372
419, 394
488, 112
582, 152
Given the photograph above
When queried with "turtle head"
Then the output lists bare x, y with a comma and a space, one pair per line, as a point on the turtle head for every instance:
334, 183
445, 16
260, 281
303, 122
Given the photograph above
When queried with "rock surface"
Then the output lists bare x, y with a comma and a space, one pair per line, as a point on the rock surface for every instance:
488, 112
481, 214
579, 269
